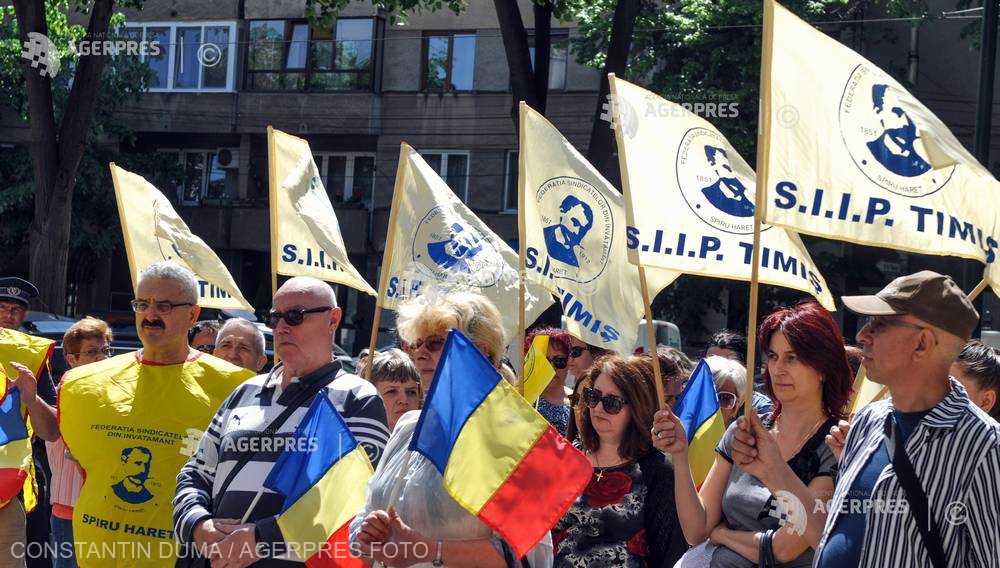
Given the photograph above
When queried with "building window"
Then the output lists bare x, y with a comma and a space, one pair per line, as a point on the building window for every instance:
510, 182
209, 175
558, 57
196, 57
453, 166
290, 55
349, 176
449, 61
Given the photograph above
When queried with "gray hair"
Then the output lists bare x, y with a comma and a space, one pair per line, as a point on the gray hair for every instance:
390, 365
242, 324
166, 270
724, 369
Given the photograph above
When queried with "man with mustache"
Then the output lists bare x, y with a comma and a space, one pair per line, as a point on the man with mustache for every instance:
129, 421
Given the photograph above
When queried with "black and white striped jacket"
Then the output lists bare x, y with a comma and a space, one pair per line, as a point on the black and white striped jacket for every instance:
237, 429
955, 452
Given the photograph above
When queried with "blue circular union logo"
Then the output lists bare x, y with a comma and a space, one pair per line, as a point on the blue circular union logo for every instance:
715, 182
880, 124
578, 227
455, 252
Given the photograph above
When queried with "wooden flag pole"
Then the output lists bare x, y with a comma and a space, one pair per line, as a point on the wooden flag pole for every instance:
390, 243
125, 233
521, 252
763, 155
978, 290
661, 399
630, 218
272, 196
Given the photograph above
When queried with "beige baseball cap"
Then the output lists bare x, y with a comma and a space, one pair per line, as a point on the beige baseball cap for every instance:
931, 297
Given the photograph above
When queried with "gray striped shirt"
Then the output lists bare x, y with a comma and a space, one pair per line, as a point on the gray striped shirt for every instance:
237, 429
955, 452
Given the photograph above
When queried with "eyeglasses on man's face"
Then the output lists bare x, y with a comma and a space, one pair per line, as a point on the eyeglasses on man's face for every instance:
161, 307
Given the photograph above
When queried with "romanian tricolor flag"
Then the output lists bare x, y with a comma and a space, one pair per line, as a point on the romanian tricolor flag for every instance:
499, 458
699, 412
15, 444
323, 477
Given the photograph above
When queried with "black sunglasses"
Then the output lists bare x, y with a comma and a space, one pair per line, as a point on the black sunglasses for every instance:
559, 362
433, 344
575, 352
612, 404
294, 316
205, 348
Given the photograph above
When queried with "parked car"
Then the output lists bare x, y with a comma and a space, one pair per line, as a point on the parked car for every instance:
54, 327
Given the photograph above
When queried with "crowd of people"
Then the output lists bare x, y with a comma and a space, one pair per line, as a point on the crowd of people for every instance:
910, 480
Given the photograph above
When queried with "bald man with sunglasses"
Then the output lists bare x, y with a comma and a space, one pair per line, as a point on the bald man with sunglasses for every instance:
252, 428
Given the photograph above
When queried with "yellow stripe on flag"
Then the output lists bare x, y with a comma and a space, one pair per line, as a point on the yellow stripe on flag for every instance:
329, 504
701, 450
475, 470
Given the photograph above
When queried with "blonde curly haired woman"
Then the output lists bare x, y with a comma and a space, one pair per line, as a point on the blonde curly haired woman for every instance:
437, 530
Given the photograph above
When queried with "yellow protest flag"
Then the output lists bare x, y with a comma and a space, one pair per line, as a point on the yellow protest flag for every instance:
856, 157
435, 242
305, 234
538, 372
690, 198
154, 232
574, 238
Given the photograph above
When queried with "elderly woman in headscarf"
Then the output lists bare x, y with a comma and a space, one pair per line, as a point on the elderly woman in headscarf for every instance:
426, 526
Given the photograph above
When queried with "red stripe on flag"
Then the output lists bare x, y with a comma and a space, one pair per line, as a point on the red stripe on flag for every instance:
11, 482
538, 493
335, 552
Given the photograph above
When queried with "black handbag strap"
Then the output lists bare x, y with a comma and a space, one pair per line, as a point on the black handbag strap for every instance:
307, 393
914, 494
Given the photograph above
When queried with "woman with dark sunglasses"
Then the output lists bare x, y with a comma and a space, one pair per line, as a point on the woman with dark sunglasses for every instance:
581, 357
626, 516
733, 519
553, 404
419, 518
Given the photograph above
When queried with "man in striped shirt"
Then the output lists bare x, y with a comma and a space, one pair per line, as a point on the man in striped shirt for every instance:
237, 523
917, 326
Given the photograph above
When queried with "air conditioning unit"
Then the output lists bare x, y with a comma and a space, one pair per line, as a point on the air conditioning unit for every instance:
228, 158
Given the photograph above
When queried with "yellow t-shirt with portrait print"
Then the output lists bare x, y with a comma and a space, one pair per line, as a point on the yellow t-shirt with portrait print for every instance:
131, 425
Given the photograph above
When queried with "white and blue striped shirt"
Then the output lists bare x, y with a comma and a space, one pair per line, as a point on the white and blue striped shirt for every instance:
955, 452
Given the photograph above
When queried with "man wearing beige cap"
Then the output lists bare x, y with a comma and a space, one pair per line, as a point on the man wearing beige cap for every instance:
918, 477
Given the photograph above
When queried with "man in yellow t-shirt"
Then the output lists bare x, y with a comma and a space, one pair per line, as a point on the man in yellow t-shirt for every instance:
133, 420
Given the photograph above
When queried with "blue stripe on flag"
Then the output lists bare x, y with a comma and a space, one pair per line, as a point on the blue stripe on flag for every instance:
12, 427
699, 402
321, 439
463, 379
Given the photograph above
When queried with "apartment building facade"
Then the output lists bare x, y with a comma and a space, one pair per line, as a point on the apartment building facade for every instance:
355, 88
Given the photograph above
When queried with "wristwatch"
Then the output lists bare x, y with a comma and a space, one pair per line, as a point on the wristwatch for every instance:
439, 558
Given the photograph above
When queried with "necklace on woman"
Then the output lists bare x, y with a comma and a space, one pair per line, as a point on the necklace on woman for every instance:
597, 464
808, 434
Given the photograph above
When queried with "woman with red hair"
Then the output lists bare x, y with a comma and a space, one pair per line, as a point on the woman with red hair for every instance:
809, 380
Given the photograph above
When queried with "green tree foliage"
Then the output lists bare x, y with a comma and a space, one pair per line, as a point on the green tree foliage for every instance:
94, 230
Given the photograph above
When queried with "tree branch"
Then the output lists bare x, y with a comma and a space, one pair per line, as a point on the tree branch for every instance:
602, 139
45, 150
79, 114
543, 51
515, 43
